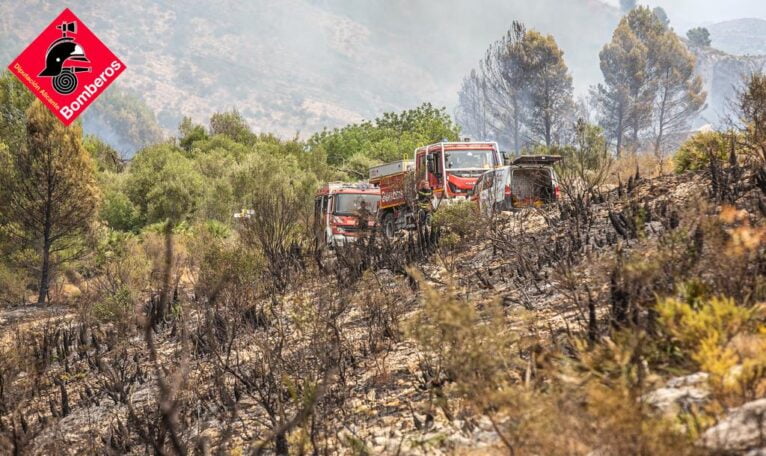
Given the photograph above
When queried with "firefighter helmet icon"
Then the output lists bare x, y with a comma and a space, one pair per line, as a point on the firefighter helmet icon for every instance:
66, 67
64, 59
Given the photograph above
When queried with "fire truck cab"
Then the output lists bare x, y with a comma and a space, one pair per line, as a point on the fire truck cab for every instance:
337, 210
450, 169
445, 172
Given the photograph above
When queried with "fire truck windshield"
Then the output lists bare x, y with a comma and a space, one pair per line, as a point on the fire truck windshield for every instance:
350, 203
468, 159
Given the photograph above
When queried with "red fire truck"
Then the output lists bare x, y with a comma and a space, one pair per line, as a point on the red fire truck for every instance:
337, 207
443, 172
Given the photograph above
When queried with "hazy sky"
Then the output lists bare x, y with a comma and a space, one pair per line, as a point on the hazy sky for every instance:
688, 13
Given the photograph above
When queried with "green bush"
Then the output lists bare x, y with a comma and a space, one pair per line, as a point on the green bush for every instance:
233, 125
119, 212
218, 202
164, 184
115, 307
122, 271
217, 229
392, 136
696, 152
12, 289
456, 219
724, 339
358, 165
224, 267
104, 155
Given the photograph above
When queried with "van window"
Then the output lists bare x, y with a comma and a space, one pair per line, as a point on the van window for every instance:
421, 166
480, 182
438, 163
489, 179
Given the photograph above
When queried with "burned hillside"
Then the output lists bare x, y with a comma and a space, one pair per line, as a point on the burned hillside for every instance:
398, 358
534, 273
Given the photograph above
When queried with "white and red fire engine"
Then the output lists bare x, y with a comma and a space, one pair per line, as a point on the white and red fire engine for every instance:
338, 207
445, 172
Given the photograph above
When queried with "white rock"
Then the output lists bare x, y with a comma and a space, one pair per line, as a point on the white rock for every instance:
680, 392
744, 428
654, 227
700, 378
667, 399
380, 440
486, 437
457, 440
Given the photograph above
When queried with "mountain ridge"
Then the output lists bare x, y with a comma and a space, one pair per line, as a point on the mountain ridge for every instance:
302, 65
745, 36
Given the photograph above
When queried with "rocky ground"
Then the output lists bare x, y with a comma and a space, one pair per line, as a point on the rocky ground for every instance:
72, 389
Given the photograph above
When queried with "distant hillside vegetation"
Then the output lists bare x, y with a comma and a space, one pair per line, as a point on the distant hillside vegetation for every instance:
740, 36
738, 48
301, 65
723, 76
123, 120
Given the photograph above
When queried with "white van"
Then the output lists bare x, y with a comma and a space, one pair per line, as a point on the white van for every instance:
528, 181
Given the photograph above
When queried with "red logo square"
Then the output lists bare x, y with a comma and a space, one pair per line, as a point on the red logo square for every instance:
67, 67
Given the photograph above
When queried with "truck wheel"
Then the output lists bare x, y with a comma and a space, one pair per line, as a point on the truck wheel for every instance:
389, 226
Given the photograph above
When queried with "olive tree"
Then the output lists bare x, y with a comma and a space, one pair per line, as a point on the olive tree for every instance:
278, 195
167, 188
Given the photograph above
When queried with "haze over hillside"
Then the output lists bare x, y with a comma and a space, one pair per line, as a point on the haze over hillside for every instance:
297, 66
301, 65
740, 36
738, 49
686, 14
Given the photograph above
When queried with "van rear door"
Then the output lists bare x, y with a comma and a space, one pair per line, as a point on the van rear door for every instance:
532, 180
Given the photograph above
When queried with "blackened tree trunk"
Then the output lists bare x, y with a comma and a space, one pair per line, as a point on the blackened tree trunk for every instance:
45, 274
45, 270
280, 441
167, 274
